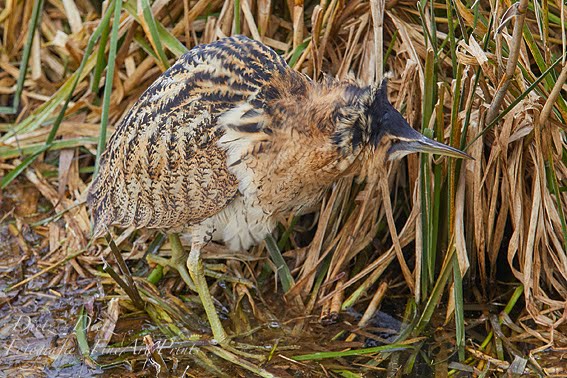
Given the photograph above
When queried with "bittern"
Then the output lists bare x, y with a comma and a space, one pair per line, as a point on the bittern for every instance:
230, 139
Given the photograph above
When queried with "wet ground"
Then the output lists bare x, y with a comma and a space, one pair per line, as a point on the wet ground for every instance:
37, 320
44, 318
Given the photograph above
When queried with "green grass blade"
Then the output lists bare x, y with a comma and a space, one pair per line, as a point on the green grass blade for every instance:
108, 83
452, 41
8, 152
347, 373
237, 16
169, 40
6, 180
410, 363
509, 306
282, 269
391, 45
429, 223
437, 186
459, 309
353, 352
32, 26
436, 293
297, 53
287, 233
80, 331
425, 195
101, 56
166, 38
146, 46
154, 34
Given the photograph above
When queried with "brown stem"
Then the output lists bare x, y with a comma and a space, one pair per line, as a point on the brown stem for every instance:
546, 111
512, 63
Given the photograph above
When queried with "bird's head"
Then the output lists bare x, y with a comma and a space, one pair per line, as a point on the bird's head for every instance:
367, 120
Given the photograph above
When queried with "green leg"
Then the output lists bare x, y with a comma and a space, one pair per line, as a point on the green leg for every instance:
197, 272
193, 273
178, 260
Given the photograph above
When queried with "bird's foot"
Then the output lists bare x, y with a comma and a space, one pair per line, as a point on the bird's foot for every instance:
178, 264
211, 270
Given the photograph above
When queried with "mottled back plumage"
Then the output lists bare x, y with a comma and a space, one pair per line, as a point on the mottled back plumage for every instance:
162, 167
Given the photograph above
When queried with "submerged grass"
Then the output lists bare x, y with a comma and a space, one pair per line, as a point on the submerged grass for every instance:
456, 237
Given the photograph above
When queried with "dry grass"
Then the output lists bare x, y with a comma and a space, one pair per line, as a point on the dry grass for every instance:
430, 235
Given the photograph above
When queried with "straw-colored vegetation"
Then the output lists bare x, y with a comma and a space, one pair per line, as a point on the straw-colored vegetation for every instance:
470, 256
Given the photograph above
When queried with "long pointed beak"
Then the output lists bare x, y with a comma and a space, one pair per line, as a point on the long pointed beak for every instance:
433, 147
420, 143
407, 140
